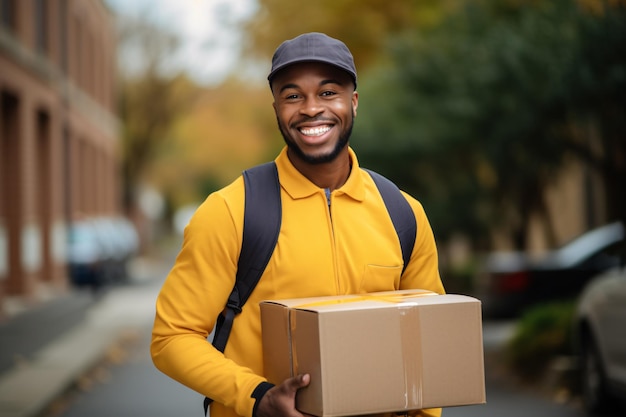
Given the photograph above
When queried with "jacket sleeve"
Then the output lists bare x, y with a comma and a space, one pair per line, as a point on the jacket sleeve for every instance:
430, 412
423, 269
192, 297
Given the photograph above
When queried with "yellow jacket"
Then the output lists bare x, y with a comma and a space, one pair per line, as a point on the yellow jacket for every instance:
348, 248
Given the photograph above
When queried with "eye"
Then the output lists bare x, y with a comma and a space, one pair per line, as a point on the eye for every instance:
291, 96
328, 93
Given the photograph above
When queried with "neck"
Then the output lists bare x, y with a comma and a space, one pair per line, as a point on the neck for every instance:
331, 175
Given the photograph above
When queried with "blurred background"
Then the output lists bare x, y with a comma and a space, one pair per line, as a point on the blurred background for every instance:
505, 118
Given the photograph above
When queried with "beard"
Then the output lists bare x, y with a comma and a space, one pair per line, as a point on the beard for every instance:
344, 138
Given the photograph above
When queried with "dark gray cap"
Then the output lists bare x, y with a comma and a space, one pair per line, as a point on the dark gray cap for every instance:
313, 47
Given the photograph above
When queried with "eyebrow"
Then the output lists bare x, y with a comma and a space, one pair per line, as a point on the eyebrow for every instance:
322, 83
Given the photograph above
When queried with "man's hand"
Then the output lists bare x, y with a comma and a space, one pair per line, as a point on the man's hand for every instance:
280, 401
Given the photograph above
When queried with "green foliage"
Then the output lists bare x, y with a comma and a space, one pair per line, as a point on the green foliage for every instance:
598, 101
459, 278
477, 116
542, 333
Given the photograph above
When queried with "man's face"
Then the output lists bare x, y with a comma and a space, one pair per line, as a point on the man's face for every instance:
315, 106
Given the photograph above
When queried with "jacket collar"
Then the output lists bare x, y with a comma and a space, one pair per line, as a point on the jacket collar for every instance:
298, 186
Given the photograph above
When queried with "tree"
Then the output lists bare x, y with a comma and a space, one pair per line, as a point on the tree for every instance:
151, 97
362, 24
475, 116
218, 136
598, 99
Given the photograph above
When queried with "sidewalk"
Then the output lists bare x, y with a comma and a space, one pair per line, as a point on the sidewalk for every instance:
31, 384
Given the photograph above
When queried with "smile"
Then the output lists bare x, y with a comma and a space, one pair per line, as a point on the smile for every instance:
315, 131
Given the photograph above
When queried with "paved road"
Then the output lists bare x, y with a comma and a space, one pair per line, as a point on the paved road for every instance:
127, 384
132, 387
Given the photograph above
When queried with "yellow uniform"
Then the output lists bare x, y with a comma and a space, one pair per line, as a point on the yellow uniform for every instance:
344, 244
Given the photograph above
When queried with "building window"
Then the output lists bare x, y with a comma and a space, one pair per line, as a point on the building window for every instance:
41, 25
7, 14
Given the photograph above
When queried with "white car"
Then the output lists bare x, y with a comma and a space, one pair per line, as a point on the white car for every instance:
601, 338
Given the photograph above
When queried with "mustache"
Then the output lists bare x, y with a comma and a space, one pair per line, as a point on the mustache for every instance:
306, 119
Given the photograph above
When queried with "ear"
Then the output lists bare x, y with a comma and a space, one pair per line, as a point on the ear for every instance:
355, 102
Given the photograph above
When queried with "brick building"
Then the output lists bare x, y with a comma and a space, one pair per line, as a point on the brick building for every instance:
58, 136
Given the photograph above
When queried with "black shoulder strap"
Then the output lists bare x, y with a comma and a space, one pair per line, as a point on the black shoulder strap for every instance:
401, 214
261, 227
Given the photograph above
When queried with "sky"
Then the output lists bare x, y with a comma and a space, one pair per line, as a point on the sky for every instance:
204, 27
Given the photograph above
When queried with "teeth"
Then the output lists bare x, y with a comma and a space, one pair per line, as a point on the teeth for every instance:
315, 131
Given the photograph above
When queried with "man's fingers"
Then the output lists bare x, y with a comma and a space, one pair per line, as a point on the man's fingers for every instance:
297, 382
304, 380
281, 399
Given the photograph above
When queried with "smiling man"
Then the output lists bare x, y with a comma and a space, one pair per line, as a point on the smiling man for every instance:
336, 238
315, 105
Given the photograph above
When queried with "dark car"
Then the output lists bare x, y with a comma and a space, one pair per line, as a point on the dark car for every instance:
514, 281
601, 341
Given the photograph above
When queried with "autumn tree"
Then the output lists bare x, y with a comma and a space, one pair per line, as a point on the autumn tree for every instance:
364, 25
152, 97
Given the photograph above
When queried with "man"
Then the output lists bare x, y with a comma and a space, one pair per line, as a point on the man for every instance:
336, 238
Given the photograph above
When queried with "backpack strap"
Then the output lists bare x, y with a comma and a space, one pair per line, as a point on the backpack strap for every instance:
261, 227
401, 214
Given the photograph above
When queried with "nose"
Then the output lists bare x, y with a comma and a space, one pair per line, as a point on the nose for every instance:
311, 106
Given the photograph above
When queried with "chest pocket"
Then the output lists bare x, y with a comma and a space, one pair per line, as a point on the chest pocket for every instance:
380, 278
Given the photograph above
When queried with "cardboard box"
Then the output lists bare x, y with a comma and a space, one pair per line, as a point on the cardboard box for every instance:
376, 353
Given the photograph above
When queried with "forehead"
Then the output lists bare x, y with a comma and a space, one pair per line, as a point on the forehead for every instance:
315, 72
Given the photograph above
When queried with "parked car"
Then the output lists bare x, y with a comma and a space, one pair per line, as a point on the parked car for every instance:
601, 341
85, 255
514, 281
120, 243
99, 249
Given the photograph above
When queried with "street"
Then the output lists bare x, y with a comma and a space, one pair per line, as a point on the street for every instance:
126, 384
